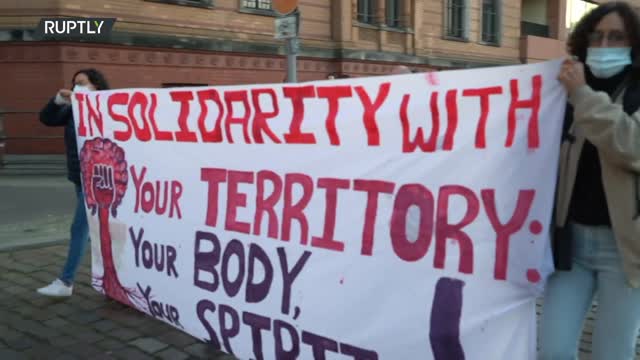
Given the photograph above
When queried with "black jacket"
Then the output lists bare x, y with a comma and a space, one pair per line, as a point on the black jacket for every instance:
62, 115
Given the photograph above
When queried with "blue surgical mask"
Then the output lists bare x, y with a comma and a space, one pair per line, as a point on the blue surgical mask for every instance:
607, 62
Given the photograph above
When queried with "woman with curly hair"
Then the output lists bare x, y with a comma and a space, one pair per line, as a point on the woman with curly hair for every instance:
597, 217
58, 112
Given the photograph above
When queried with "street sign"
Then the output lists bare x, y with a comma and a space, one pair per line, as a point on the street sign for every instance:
286, 27
284, 7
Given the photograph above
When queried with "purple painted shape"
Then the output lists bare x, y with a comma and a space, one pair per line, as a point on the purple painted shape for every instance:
207, 261
281, 353
289, 276
257, 292
357, 353
228, 330
202, 307
319, 345
444, 331
232, 287
257, 324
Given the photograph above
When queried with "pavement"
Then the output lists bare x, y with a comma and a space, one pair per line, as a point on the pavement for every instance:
35, 210
35, 214
85, 326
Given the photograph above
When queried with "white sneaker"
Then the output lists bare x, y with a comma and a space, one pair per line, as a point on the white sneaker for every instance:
57, 288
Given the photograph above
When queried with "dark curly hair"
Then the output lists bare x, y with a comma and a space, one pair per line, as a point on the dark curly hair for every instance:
95, 77
579, 39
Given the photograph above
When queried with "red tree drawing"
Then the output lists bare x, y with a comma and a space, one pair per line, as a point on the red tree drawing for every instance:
105, 178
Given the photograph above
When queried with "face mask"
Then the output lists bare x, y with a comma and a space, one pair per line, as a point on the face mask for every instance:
80, 88
607, 62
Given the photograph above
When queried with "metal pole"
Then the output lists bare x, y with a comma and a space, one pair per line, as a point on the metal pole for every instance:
292, 60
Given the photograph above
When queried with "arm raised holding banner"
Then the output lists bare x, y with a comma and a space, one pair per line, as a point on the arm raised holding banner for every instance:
603, 121
57, 112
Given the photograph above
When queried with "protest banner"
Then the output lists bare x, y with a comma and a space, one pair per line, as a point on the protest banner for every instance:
402, 217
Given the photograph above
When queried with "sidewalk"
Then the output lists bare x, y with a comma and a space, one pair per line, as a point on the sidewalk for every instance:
35, 215
84, 326
35, 210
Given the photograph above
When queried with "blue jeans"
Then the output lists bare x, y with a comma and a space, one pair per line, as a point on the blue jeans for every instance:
79, 240
597, 270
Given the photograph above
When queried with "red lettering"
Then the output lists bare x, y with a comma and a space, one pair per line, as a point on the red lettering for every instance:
504, 231
296, 211
331, 198
260, 125
176, 192
94, 116
373, 189
240, 96
370, 110
236, 199
214, 135
184, 98
445, 230
146, 196
213, 177
452, 117
333, 94
155, 198
119, 99
483, 94
143, 133
408, 195
533, 132
297, 96
160, 135
82, 128
161, 205
137, 183
431, 144
267, 204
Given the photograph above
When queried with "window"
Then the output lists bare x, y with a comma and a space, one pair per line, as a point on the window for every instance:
456, 18
529, 28
366, 11
393, 9
490, 19
257, 4
534, 16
